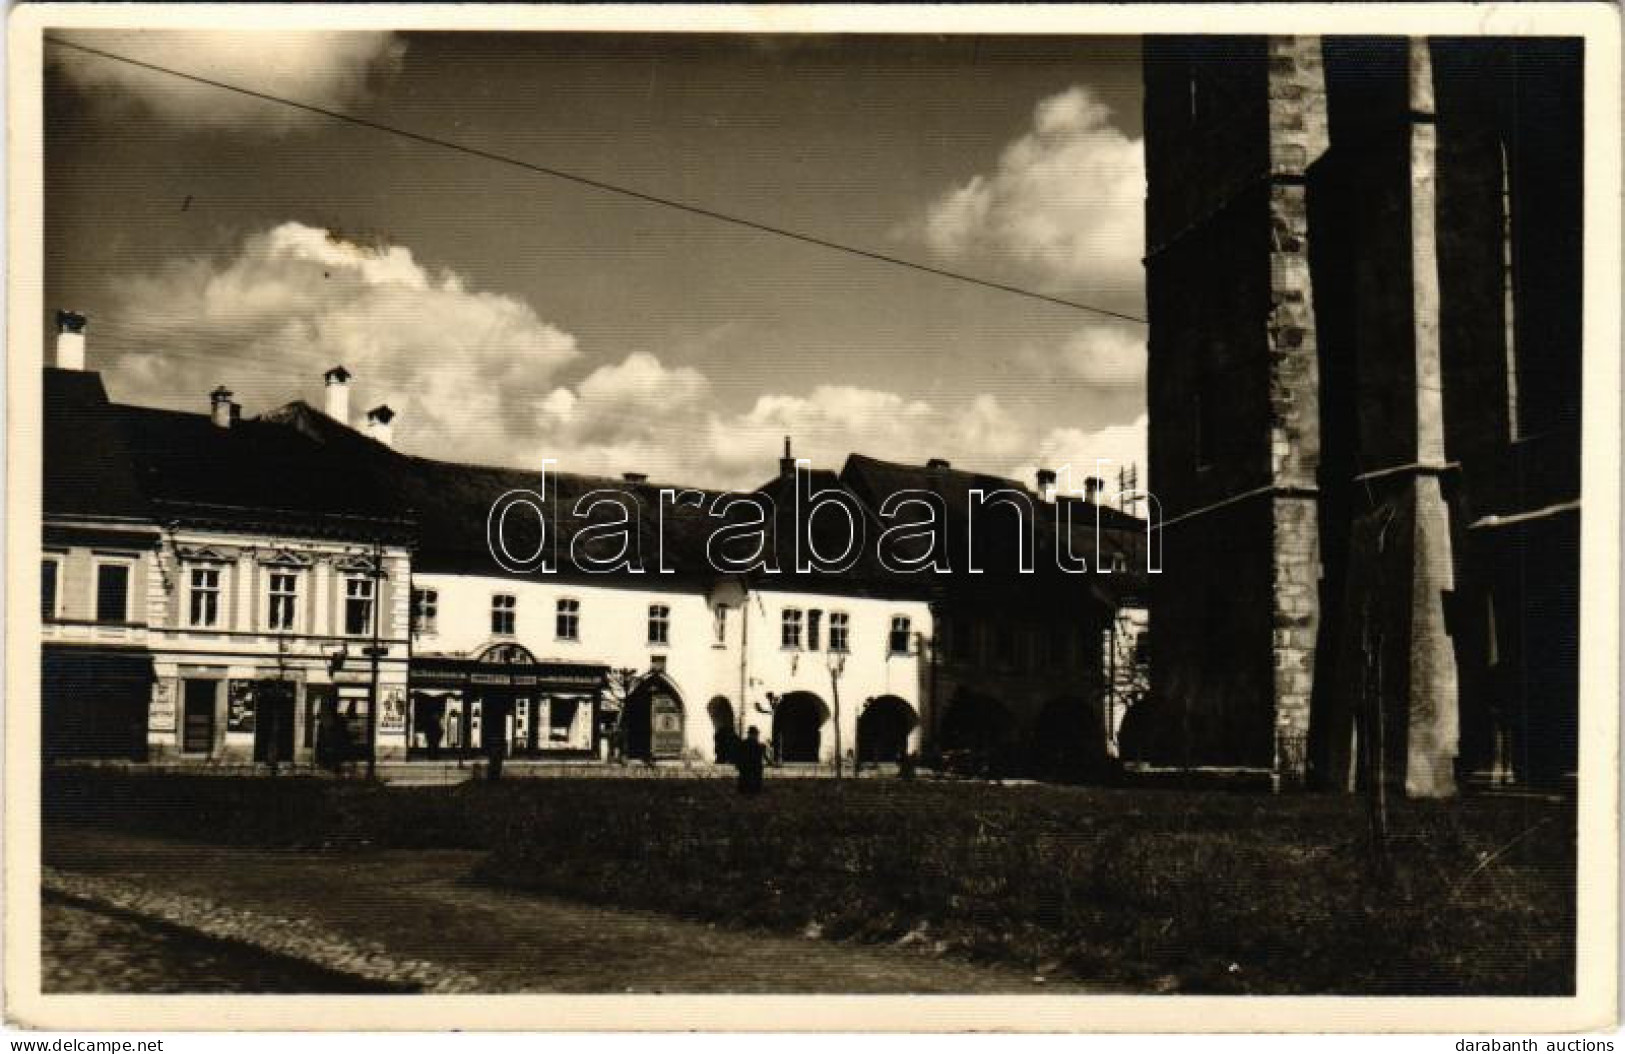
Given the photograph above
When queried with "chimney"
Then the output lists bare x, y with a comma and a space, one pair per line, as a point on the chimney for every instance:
938, 464
1092, 486
635, 477
1046, 484
378, 424
70, 340
787, 463
338, 394
221, 409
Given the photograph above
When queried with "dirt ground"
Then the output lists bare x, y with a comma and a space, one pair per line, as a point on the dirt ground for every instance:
420, 906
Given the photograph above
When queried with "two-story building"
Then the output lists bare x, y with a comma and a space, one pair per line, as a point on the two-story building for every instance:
212, 588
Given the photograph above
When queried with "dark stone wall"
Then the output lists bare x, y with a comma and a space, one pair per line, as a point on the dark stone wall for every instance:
1281, 604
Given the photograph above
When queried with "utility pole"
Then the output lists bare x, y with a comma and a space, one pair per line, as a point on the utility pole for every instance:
837, 661
372, 704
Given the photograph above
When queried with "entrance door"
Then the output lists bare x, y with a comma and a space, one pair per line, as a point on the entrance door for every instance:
273, 721
197, 729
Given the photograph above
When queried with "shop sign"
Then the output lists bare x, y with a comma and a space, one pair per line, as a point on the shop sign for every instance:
240, 706
161, 709
392, 714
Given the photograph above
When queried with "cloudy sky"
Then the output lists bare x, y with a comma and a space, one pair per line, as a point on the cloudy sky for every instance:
509, 317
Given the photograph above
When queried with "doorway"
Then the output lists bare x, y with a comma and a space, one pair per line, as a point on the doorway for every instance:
197, 725
273, 722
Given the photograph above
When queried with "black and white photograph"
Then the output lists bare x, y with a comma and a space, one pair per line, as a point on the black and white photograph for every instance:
756, 502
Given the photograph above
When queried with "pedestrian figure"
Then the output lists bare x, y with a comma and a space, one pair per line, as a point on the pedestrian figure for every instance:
749, 756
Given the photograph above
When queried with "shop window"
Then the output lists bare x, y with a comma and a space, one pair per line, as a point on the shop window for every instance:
283, 594
897, 642
567, 620
358, 594
112, 592
659, 624
790, 629
504, 614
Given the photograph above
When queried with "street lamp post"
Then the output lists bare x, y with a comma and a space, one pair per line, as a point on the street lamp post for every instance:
837, 664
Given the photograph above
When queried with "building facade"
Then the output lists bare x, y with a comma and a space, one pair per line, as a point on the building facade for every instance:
289, 588
1363, 276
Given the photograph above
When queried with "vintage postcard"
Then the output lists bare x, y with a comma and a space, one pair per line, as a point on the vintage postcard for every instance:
1020, 518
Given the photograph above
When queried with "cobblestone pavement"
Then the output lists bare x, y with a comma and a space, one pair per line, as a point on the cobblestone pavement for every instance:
92, 950
419, 907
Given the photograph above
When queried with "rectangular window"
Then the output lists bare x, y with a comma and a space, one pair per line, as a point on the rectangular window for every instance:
49, 572
659, 624
897, 641
815, 620
425, 610
283, 595
567, 621
112, 592
504, 614
790, 629
358, 606
204, 603
719, 623
840, 631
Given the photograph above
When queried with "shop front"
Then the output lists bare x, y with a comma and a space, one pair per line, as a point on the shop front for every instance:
462, 707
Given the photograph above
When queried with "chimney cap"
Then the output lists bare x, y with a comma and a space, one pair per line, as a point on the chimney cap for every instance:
70, 322
381, 413
1046, 477
337, 375
635, 477
938, 463
221, 394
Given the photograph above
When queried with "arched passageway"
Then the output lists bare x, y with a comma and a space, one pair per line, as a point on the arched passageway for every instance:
1068, 741
883, 729
723, 733
976, 734
798, 723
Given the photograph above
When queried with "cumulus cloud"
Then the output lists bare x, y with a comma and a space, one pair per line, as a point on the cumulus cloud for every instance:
335, 70
464, 367
1101, 355
1077, 453
480, 376
1065, 201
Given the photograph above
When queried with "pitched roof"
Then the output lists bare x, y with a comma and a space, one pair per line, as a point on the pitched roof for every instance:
87, 468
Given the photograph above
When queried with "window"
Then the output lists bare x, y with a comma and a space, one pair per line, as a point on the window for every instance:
283, 592
815, 619
898, 641
112, 592
790, 629
840, 631
567, 622
358, 606
659, 624
719, 623
425, 610
504, 614
204, 599
49, 571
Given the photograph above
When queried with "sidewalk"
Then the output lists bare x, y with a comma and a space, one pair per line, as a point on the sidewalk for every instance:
418, 907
